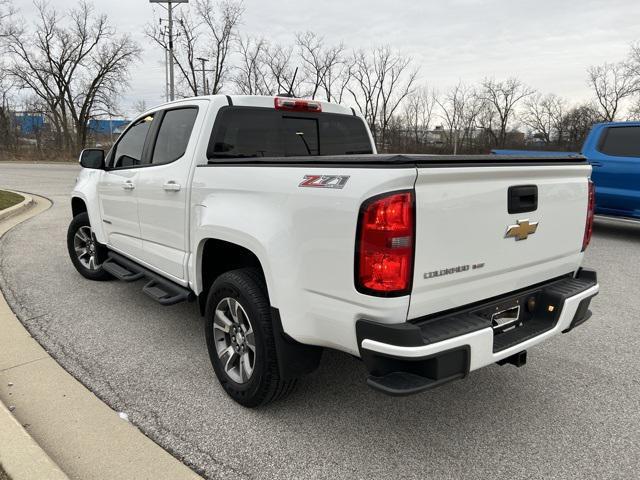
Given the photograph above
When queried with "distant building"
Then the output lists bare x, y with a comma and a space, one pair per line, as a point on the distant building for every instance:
28, 123
107, 126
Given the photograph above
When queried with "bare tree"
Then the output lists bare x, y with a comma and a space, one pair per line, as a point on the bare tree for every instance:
78, 67
7, 85
221, 29
7, 11
337, 74
381, 81
453, 105
418, 112
577, 123
611, 84
634, 111
209, 34
252, 74
281, 76
475, 106
7, 134
326, 69
503, 97
543, 114
140, 106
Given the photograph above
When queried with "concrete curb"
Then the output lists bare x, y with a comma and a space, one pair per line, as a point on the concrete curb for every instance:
20, 456
80, 434
19, 208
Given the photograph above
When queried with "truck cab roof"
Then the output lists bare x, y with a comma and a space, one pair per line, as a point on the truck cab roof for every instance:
265, 101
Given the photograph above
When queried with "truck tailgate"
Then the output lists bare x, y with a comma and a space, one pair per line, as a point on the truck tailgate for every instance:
463, 254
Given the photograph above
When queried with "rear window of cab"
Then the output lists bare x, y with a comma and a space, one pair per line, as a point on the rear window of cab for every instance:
248, 132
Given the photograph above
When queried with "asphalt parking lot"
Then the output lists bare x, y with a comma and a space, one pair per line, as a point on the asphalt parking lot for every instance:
572, 412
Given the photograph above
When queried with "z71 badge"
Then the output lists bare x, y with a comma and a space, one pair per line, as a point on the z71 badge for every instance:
324, 181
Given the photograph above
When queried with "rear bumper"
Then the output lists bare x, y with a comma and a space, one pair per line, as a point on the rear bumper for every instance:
408, 358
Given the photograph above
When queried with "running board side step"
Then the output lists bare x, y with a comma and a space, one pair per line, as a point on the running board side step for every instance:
162, 290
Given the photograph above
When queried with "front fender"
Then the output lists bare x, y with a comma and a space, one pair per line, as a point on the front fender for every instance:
86, 189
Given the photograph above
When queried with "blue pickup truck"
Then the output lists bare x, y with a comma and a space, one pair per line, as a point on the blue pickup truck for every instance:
613, 149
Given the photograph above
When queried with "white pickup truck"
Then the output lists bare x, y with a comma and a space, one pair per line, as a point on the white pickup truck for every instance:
279, 218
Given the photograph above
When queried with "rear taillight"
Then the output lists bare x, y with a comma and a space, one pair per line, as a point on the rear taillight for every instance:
588, 228
296, 105
385, 245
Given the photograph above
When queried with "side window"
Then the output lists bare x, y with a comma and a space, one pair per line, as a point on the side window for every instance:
621, 142
128, 151
173, 135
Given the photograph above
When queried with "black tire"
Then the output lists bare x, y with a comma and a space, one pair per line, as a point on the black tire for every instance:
247, 287
80, 224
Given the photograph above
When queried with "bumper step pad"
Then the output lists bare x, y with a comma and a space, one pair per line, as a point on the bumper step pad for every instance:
400, 383
163, 291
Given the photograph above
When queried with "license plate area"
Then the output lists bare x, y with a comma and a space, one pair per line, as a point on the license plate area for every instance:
505, 320
511, 314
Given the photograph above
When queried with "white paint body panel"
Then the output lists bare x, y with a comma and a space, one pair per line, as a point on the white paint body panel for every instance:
462, 219
119, 210
305, 240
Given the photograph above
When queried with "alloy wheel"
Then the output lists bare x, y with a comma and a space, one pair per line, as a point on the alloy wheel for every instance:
85, 246
234, 340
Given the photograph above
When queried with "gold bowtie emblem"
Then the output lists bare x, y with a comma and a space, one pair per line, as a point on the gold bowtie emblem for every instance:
522, 230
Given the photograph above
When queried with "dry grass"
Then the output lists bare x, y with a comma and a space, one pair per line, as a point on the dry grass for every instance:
9, 199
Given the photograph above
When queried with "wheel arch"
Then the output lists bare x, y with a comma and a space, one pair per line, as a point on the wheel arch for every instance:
216, 256
78, 206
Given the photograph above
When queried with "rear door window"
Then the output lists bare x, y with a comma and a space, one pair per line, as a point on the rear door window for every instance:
173, 135
245, 132
621, 142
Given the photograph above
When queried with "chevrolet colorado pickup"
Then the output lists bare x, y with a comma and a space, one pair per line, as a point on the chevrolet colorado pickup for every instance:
280, 219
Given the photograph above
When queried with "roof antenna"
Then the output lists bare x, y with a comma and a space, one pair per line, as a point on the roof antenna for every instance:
290, 92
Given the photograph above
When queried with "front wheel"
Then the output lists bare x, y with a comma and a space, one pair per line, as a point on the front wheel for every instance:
240, 339
86, 253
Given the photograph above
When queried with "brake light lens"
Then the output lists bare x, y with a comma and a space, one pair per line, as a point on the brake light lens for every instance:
296, 105
385, 245
588, 228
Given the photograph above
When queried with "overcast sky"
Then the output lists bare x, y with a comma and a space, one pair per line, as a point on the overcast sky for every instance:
547, 43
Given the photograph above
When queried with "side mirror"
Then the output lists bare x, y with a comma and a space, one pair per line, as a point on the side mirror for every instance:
92, 158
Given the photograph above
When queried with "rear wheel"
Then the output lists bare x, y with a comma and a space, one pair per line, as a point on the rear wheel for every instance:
240, 339
86, 253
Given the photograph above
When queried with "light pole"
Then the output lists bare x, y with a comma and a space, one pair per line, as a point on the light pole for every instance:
169, 8
204, 77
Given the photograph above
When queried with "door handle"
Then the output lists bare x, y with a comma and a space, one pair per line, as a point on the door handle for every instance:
172, 186
128, 185
522, 198
596, 164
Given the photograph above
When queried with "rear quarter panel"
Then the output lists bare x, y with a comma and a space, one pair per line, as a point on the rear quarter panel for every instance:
304, 239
